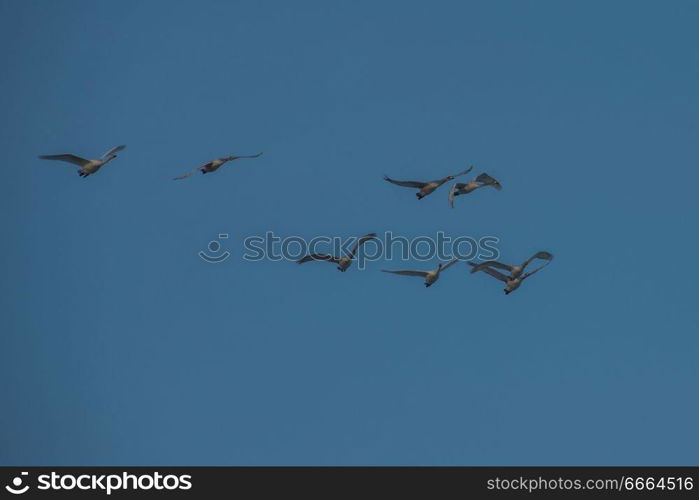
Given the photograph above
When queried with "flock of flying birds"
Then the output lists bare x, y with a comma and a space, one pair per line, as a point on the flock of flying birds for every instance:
513, 277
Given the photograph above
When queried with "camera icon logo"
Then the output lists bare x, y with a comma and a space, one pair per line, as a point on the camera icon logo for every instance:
214, 247
16, 489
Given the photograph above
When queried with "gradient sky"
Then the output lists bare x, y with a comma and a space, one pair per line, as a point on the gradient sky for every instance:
119, 345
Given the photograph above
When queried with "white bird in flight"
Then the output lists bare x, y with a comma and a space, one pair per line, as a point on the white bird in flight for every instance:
430, 276
426, 187
517, 270
479, 181
517, 274
87, 167
214, 165
342, 262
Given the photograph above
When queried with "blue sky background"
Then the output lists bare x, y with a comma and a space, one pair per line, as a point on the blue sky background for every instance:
120, 346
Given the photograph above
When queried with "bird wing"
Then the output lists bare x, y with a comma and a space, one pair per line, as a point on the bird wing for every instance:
360, 242
114, 150
487, 180
410, 184
491, 263
407, 273
243, 156
187, 174
194, 170
446, 266
75, 160
538, 255
489, 270
318, 256
452, 192
463, 172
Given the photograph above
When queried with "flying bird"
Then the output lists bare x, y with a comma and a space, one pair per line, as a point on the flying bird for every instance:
517, 270
479, 181
214, 165
342, 262
430, 276
87, 167
426, 187
512, 283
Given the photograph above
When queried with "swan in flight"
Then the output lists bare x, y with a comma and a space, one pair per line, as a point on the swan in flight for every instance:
87, 167
430, 276
479, 181
513, 281
426, 187
517, 270
342, 262
214, 165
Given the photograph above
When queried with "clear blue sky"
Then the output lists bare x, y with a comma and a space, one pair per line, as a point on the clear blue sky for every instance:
120, 346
